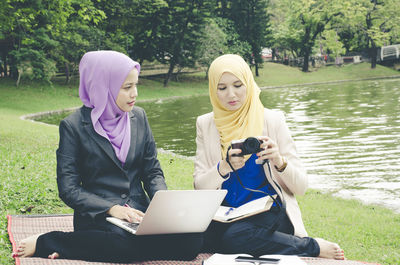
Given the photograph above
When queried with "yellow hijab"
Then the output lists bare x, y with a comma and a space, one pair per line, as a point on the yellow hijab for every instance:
244, 122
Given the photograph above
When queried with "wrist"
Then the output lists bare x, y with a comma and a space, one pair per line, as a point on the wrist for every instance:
278, 162
109, 212
222, 170
280, 167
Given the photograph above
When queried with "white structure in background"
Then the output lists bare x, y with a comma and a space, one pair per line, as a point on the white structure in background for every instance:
391, 52
266, 54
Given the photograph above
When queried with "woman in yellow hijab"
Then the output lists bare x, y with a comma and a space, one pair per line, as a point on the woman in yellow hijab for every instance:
248, 150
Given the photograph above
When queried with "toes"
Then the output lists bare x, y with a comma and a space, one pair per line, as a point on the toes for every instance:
55, 255
339, 254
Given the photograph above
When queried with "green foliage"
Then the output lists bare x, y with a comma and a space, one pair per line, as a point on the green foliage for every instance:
42, 34
330, 40
213, 43
251, 21
234, 43
351, 24
40, 38
31, 57
145, 27
181, 30
378, 21
34, 64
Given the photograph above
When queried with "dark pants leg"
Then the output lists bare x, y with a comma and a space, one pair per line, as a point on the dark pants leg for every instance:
253, 236
91, 245
171, 246
112, 246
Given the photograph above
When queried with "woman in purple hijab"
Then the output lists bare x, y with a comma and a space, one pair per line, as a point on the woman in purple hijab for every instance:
107, 166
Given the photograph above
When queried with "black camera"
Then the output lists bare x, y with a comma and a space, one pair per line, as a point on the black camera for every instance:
251, 145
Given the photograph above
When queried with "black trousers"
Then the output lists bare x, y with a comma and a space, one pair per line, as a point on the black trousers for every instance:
253, 236
109, 243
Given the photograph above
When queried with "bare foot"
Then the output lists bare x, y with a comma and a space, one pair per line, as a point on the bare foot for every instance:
329, 250
26, 247
55, 255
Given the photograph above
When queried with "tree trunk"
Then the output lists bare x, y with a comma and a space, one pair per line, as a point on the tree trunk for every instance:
208, 68
66, 73
306, 53
373, 54
5, 65
19, 77
256, 64
274, 55
169, 74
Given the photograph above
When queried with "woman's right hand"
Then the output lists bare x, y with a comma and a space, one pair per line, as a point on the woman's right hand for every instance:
126, 213
237, 162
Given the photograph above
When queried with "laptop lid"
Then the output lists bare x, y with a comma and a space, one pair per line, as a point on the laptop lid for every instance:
179, 211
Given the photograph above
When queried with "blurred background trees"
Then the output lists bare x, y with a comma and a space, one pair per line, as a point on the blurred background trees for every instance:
43, 38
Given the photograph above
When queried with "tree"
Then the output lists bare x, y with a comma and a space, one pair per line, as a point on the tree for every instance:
286, 34
252, 21
30, 26
219, 37
180, 33
212, 45
330, 40
379, 24
78, 34
308, 19
39, 32
234, 43
145, 29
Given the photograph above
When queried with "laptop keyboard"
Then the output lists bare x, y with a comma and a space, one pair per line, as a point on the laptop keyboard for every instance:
132, 225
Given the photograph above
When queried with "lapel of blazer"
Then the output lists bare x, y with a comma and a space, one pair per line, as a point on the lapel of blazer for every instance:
100, 140
215, 141
131, 153
271, 179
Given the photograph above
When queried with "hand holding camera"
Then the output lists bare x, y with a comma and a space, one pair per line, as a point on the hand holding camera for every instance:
263, 146
239, 148
251, 145
235, 158
270, 151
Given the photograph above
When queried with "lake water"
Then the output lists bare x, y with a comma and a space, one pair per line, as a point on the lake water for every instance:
347, 135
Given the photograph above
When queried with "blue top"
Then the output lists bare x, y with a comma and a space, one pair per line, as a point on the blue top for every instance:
252, 176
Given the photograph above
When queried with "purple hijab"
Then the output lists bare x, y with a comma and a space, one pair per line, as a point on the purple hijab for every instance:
102, 74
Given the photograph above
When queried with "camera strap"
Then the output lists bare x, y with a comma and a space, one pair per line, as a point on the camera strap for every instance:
282, 207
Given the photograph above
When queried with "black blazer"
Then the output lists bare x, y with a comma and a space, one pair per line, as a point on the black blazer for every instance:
90, 177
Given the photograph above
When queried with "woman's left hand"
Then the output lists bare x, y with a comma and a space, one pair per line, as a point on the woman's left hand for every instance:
126, 213
270, 152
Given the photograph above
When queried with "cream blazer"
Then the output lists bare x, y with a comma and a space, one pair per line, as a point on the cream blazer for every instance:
293, 180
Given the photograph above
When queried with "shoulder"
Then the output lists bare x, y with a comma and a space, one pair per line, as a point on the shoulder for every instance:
76, 117
138, 113
205, 118
273, 116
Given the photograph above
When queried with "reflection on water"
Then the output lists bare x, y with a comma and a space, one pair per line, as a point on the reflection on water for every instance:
348, 135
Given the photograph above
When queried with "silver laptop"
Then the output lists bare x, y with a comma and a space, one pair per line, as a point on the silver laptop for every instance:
176, 211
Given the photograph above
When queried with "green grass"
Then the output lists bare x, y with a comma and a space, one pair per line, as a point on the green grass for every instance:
277, 74
28, 165
365, 232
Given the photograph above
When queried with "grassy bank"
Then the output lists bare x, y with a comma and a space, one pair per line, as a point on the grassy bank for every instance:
27, 162
278, 74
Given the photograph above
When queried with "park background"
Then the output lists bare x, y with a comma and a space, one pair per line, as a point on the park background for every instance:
307, 42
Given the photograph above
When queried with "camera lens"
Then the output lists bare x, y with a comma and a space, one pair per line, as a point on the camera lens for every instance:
251, 145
